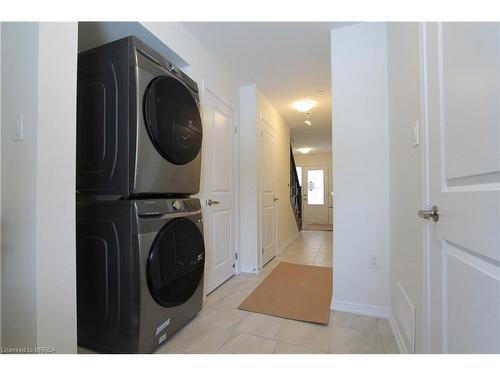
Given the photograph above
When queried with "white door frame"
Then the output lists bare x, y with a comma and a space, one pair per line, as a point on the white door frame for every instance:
264, 122
1, 127
424, 156
235, 180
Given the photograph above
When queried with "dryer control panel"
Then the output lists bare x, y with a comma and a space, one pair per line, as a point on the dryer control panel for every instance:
156, 207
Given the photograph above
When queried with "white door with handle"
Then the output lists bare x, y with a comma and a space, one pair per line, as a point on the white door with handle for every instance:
218, 191
461, 80
268, 198
315, 204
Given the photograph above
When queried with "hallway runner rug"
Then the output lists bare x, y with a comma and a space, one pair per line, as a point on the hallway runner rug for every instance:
321, 227
294, 291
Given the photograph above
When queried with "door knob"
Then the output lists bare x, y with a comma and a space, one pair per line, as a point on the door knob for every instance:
176, 205
275, 199
433, 213
210, 202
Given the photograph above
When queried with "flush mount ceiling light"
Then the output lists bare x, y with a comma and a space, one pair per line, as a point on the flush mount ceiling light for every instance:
303, 105
308, 119
304, 150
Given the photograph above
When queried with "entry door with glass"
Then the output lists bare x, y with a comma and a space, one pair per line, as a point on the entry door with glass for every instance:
315, 198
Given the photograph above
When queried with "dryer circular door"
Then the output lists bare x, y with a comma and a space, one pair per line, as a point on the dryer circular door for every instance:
175, 263
173, 120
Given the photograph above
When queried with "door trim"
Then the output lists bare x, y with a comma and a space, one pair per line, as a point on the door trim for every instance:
424, 155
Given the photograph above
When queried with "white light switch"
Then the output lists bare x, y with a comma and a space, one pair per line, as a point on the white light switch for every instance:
373, 262
416, 134
18, 131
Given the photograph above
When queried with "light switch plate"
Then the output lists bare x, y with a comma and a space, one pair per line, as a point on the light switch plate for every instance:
373, 262
416, 134
19, 129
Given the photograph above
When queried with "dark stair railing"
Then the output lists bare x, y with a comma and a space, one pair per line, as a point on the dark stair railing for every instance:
295, 192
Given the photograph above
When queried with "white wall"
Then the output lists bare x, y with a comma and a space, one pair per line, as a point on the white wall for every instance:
405, 182
38, 182
19, 96
361, 154
253, 105
55, 189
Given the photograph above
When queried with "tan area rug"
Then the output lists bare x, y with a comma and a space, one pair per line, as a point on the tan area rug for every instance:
294, 291
323, 227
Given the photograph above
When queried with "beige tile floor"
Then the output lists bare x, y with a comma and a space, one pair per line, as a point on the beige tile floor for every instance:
221, 328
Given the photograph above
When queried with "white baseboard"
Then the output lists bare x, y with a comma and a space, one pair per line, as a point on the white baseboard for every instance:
397, 334
376, 312
360, 309
285, 244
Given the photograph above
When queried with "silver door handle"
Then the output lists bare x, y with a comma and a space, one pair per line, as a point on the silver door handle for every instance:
210, 202
433, 213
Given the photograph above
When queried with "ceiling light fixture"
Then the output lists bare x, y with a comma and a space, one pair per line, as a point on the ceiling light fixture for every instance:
303, 105
304, 150
308, 119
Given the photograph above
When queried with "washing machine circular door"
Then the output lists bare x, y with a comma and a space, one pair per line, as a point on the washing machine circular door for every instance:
174, 268
173, 120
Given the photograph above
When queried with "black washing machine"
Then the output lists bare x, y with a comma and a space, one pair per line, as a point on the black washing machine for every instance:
139, 272
139, 129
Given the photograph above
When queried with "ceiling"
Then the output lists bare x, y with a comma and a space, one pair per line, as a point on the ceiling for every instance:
287, 60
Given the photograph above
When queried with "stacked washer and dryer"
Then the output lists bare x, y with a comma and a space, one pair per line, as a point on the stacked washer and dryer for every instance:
140, 248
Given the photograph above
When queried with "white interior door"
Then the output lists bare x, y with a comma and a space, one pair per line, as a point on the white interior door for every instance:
462, 98
315, 195
267, 193
218, 191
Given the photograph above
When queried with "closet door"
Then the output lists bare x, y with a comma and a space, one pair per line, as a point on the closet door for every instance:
462, 92
218, 190
268, 198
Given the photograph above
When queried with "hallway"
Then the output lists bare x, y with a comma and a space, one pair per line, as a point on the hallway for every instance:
172, 186
221, 328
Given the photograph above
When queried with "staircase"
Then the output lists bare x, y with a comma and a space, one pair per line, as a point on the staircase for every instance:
295, 192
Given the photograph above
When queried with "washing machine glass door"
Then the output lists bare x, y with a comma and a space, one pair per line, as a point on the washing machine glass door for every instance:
175, 262
173, 120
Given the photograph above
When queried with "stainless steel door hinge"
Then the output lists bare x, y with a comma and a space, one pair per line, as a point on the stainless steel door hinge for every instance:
433, 213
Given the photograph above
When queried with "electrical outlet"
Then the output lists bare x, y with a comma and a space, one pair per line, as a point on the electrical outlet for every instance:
373, 263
